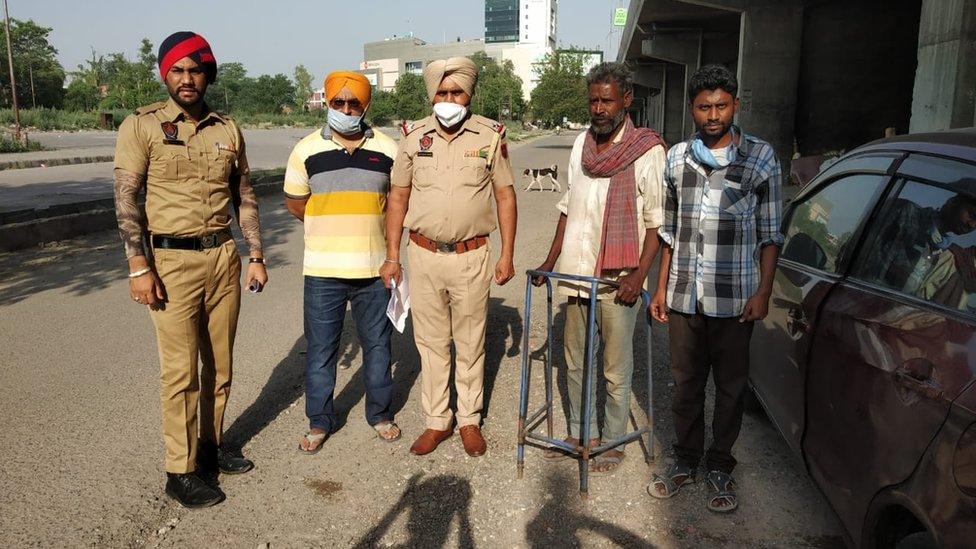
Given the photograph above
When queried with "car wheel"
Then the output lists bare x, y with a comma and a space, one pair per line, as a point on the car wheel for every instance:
918, 540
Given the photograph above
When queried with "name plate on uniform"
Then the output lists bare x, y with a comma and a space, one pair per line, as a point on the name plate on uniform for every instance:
424, 153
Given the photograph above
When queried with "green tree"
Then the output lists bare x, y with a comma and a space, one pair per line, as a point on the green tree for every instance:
410, 95
303, 87
131, 84
382, 108
498, 93
227, 93
561, 90
40, 78
268, 94
84, 93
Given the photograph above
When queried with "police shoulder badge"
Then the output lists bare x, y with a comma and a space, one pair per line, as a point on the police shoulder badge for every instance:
169, 129
169, 133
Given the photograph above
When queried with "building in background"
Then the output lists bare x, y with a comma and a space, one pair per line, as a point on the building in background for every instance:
591, 58
527, 42
520, 31
501, 21
814, 75
385, 60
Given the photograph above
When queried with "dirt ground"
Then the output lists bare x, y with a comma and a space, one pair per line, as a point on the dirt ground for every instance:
81, 452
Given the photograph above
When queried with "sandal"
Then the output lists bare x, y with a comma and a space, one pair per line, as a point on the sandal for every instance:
384, 428
670, 481
313, 439
612, 461
556, 453
723, 489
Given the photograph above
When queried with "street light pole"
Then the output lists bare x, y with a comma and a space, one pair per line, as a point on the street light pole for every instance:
10, 61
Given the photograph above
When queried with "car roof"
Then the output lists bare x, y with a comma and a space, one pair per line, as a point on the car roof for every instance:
959, 143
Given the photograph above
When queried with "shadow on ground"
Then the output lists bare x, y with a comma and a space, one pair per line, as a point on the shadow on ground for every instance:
432, 506
561, 519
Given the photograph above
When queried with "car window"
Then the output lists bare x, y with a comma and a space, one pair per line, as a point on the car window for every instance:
924, 243
862, 163
820, 229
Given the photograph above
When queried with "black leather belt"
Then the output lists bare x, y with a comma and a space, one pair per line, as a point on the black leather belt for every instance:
190, 243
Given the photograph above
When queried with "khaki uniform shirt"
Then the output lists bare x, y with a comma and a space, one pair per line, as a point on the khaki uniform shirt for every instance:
452, 178
189, 174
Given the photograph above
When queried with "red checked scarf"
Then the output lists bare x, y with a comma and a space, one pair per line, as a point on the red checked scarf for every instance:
619, 248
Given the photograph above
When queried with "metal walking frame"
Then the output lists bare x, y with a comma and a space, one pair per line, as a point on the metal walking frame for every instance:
527, 422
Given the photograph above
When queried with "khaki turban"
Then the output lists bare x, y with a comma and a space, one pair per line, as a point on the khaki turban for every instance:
357, 84
462, 71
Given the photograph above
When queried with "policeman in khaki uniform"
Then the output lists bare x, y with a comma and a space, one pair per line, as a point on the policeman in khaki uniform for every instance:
192, 165
450, 170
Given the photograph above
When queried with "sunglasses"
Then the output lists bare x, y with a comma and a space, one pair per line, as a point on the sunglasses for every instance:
354, 104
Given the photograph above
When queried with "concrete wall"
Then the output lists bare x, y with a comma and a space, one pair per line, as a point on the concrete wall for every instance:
855, 79
769, 63
945, 83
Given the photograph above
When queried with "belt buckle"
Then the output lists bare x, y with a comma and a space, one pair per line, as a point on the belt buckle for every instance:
208, 241
447, 247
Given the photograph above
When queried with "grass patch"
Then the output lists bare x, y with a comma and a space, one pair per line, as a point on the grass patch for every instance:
10, 145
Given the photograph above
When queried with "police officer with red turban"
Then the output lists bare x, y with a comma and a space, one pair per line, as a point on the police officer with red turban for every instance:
190, 163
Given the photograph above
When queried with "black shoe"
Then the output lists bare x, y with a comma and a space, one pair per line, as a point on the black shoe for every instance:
191, 491
233, 464
211, 458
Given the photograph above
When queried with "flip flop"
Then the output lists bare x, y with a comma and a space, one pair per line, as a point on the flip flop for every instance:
317, 438
385, 427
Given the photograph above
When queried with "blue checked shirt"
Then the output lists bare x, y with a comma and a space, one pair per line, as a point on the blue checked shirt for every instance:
716, 224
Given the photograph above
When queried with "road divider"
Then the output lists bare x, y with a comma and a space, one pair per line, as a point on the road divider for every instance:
21, 229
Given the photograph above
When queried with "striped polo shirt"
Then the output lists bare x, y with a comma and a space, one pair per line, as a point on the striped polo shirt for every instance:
344, 215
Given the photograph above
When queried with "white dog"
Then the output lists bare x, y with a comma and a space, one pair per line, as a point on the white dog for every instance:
535, 176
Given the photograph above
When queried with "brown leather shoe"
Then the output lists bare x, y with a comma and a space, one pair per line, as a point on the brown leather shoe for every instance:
428, 441
474, 443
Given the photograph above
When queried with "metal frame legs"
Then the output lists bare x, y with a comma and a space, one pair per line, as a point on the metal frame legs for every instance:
527, 423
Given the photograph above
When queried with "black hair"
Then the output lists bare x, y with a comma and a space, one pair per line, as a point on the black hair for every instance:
607, 72
712, 77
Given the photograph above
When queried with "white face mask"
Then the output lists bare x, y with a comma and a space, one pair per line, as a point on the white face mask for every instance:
343, 123
449, 114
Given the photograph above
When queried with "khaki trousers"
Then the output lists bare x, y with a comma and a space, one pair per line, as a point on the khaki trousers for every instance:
615, 327
203, 292
449, 300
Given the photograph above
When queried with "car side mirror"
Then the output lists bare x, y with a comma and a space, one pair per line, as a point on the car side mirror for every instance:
802, 248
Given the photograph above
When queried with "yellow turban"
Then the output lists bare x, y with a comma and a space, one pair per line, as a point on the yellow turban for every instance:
357, 84
462, 71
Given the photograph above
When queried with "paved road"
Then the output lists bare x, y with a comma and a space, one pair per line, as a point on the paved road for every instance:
40, 187
82, 454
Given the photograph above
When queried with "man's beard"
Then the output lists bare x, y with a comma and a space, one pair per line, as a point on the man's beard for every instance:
175, 95
724, 128
607, 129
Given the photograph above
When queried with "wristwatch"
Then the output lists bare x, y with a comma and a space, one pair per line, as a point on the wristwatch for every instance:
257, 260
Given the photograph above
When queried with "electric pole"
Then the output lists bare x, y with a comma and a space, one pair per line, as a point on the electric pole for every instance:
13, 81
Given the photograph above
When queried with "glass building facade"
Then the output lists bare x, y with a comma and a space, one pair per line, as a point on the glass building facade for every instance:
501, 21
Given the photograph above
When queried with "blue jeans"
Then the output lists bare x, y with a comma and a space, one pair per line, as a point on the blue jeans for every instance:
325, 309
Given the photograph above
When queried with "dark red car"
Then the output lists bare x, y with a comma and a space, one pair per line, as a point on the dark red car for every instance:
866, 362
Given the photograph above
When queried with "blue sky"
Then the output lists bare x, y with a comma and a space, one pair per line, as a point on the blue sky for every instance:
270, 37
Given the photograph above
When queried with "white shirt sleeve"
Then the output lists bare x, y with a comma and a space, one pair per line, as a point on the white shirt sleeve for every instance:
651, 185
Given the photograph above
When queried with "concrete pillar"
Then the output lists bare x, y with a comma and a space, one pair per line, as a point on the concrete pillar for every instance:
945, 80
769, 65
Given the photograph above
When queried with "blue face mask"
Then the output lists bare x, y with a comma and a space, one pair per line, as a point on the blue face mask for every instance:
704, 155
344, 123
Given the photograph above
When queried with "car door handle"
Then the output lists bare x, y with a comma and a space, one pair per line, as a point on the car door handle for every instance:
923, 385
796, 322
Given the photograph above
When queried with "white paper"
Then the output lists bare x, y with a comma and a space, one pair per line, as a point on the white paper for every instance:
399, 306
